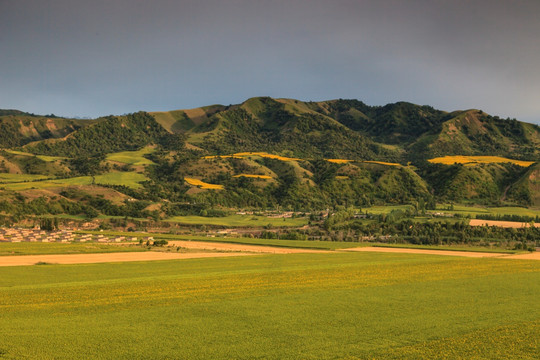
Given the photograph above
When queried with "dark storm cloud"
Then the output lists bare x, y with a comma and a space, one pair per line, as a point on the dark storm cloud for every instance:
99, 57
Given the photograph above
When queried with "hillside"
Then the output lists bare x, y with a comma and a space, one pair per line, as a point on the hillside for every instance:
264, 153
18, 128
527, 189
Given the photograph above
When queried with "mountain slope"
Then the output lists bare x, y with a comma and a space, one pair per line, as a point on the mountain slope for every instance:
110, 134
18, 128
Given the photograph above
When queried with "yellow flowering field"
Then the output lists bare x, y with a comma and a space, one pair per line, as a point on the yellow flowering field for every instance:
463, 159
253, 176
202, 184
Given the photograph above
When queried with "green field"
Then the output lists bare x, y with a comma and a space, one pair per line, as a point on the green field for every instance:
132, 157
36, 248
130, 179
376, 210
472, 211
460, 209
14, 178
41, 157
240, 220
305, 306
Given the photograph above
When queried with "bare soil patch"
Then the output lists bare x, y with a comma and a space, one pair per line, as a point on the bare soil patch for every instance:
529, 256
506, 224
107, 257
202, 245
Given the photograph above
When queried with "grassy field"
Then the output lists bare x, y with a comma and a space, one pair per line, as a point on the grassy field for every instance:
239, 220
459, 209
376, 210
475, 210
14, 178
308, 306
35, 248
130, 179
132, 157
41, 157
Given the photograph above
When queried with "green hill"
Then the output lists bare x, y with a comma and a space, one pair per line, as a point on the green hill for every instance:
262, 153
18, 128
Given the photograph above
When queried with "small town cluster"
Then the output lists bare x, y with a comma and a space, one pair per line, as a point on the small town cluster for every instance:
64, 236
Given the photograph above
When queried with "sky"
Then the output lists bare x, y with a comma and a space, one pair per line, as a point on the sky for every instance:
101, 57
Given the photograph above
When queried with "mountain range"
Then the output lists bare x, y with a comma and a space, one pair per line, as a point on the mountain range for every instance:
269, 152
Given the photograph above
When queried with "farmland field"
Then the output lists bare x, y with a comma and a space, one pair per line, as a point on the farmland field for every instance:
41, 157
309, 306
461, 159
36, 248
202, 184
11, 178
130, 179
132, 157
239, 220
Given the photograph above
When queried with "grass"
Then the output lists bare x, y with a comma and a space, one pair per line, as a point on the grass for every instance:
41, 157
36, 248
308, 306
461, 159
253, 176
129, 179
135, 158
14, 178
382, 163
386, 209
240, 220
475, 210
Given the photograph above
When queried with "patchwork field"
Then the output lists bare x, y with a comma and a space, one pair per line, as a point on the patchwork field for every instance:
309, 306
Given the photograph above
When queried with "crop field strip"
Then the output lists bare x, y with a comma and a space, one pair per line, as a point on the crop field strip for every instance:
462, 159
130, 179
310, 306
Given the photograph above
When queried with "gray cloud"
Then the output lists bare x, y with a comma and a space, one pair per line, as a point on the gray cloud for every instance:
101, 57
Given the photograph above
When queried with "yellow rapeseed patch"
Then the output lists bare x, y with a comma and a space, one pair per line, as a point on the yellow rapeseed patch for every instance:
382, 163
253, 176
463, 159
339, 161
342, 177
202, 184
266, 155
222, 157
